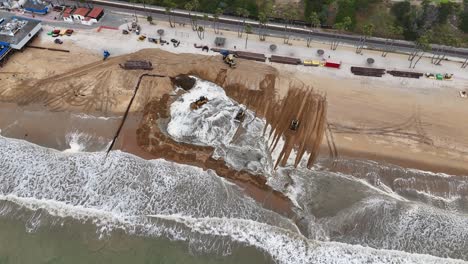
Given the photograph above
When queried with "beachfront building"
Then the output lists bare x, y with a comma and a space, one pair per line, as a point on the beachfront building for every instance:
83, 15
15, 33
36, 7
80, 13
67, 15
95, 15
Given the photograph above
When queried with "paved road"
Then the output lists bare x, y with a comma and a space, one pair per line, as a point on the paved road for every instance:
276, 29
232, 23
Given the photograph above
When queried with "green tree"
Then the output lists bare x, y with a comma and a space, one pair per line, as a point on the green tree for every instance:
248, 30
367, 30
134, 9
189, 7
262, 19
421, 47
395, 32
216, 16
243, 14
201, 32
445, 9
464, 21
447, 39
340, 27
288, 14
314, 21
266, 8
346, 9
169, 6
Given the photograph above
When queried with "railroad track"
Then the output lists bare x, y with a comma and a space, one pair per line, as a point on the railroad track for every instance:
462, 53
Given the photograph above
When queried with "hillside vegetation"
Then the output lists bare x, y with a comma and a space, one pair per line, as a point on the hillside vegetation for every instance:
441, 22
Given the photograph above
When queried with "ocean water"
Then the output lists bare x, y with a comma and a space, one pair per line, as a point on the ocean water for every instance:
76, 206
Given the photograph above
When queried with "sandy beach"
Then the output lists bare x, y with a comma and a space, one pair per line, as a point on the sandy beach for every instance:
376, 165
413, 123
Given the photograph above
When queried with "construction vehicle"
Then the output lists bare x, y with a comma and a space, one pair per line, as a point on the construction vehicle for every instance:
240, 116
229, 60
199, 103
294, 125
105, 55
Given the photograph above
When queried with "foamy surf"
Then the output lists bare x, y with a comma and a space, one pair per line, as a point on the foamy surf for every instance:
284, 246
164, 199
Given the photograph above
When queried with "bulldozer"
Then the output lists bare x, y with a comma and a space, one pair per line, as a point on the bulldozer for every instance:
198, 103
240, 116
229, 60
294, 125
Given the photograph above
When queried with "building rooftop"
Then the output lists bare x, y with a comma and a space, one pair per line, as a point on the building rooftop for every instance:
35, 5
81, 11
68, 10
95, 12
14, 29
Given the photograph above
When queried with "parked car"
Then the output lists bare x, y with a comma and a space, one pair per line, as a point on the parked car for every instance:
58, 41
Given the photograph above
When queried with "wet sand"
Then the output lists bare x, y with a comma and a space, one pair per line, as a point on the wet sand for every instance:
433, 140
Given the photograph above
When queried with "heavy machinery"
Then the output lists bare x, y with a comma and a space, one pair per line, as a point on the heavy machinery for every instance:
105, 55
294, 125
198, 103
240, 116
229, 60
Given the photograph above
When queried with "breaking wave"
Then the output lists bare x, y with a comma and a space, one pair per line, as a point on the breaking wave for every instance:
181, 202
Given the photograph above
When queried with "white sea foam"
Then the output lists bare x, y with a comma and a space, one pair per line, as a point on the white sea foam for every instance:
123, 184
213, 125
79, 142
123, 190
283, 245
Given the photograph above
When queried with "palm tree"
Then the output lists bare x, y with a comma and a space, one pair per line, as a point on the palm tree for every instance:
314, 23
341, 26
206, 21
262, 19
201, 32
216, 15
395, 32
449, 41
266, 9
170, 5
368, 30
465, 63
196, 7
189, 7
134, 9
421, 46
242, 13
248, 30
288, 15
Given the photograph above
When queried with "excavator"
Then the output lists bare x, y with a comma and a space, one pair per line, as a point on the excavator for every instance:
199, 103
228, 58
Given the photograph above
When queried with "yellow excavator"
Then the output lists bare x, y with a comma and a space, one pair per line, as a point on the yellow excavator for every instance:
229, 60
